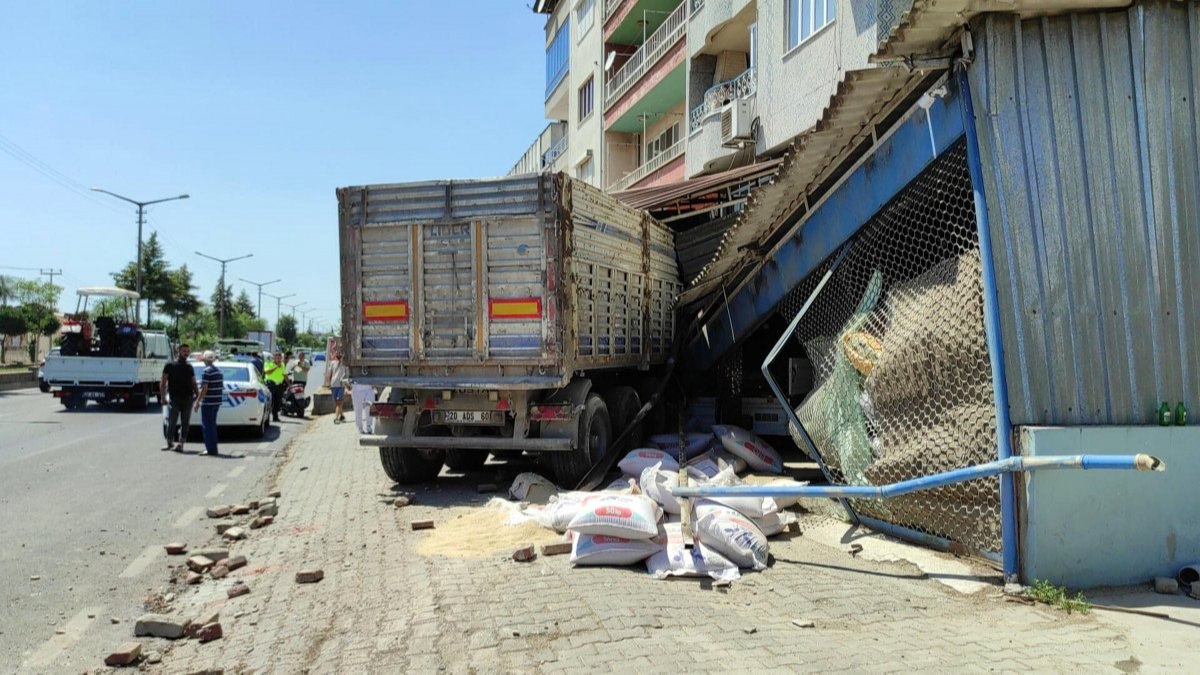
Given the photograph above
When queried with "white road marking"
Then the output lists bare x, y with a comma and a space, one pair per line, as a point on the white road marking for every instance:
141, 562
237, 471
188, 516
48, 652
216, 491
107, 433
264, 445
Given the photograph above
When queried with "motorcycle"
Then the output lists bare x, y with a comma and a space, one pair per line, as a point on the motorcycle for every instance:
294, 401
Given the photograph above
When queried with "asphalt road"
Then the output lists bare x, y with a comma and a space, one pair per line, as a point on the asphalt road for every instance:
87, 500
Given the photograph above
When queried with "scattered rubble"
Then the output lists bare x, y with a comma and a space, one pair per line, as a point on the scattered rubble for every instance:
35, 577
560, 548
125, 654
275, 494
192, 578
235, 562
213, 554
422, 525
402, 502
524, 554
200, 563
261, 521
192, 630
309, 576
804, 623
235, 533
159, 625
176, 548
219, 572
237, 590
240, 509
218, 511
210, 632
226, 526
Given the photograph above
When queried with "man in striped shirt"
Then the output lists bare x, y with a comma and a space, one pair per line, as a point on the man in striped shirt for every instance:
212, 392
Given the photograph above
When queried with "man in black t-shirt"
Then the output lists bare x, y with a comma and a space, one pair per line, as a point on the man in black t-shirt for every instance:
179, 384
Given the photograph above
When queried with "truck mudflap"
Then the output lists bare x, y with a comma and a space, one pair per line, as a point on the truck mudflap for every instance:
466, 443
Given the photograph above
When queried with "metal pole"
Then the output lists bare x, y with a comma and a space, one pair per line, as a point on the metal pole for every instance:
258, 311
991, 324
221, 288
138, 265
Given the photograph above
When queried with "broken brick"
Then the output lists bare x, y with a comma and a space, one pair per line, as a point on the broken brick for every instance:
192, 578
268, 510
193, 628
235, 533
218, 511
214, 554
402, 502
261, 521
199, 563
209, 632
235, 562
237, 590
559, 548
422, 525
309, 576
224, 527
176, 548
524, 554
159, 625
253, 504
219, 571
240, 509
275, 494
125, 654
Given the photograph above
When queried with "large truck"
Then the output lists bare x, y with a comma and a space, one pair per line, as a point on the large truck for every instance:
264, 337
107, 357
527, 314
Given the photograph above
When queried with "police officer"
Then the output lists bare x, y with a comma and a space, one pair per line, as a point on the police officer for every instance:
275, 372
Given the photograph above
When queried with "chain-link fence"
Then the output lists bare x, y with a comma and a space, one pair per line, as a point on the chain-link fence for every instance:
902, 382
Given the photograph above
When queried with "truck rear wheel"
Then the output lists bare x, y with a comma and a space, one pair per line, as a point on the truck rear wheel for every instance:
409, 466
593, 435
463, 461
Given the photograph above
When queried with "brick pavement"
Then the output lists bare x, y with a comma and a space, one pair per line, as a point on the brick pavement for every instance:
382, 607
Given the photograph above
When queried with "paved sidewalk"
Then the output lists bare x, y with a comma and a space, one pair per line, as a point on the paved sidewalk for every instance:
383, 607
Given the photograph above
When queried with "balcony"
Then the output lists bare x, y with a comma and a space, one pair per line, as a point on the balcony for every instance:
656, 46
720, 94
556, 151
611, 6
657, 162
541, 155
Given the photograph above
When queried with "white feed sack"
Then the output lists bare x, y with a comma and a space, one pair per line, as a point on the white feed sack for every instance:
558, 513
634, 463
782, 502
677, 560
656, 484
530, 487
600, 549
731, 534
625, 516
775, 523
758, 454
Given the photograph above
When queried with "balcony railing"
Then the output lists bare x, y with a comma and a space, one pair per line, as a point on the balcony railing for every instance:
557, 150
657, 162
742, 86
696, 5
611, 6
656, 46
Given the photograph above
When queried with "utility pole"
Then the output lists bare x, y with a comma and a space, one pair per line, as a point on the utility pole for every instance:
260, 293
221, 292
278, 303
51, 273
141, 220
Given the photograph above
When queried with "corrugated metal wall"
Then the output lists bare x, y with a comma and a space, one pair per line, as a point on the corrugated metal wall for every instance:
1088, 129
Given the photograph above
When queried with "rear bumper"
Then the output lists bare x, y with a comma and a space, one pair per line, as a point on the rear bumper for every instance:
465, 383
467, 443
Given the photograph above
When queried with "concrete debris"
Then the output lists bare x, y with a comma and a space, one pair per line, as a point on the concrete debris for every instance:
193, 627
402, 502
309, 576
271, 509
238, 589
125, 654
35, 577
159, 625
214, 554
235, 533
1166, 585
226, 526
524, 554
261, 521
235, 562
422, 525
560, 548
153, 657
192, 578
253, 504
275, 494
176, 548
219, 571
114, 620
240, 509
210, 632
804, 623
218, 511
200, 563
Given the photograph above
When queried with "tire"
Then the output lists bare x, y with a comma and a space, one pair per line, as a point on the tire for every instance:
592, 436
408, 466
260, 430
464, 461
44, 386
623, 405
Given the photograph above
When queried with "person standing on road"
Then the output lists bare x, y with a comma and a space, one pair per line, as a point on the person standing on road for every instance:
298, 368
212, 395
362, 395
337, 385
178, 387
274, 372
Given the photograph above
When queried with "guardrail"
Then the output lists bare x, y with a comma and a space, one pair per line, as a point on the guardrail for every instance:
557, 150
657, 162
718, 95
655, 47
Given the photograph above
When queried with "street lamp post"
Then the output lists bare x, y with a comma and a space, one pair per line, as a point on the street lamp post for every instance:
260, 293
221, 291
141, 219
278, 301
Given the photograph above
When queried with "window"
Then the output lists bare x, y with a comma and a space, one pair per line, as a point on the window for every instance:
558, 56
586, 171
663, 143
586, 99
806, 17
585, 16
753, 44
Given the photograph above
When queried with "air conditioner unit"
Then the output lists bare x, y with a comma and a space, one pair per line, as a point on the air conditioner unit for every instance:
735, 123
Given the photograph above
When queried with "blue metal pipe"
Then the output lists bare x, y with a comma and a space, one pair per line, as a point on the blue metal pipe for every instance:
1001, 466
991, 323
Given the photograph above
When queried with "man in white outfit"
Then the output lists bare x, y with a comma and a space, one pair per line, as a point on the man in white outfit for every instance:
363, 395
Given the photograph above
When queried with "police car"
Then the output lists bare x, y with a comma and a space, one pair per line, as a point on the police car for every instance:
245, 403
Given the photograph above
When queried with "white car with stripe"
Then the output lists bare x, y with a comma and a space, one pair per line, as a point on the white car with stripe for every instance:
246, 400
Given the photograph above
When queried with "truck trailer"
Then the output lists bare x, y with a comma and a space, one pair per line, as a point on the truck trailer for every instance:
527, 314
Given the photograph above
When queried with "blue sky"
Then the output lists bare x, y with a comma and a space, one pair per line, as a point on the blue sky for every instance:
258, 110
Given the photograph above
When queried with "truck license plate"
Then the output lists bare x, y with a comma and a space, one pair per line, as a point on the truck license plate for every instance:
467, 417
94, 395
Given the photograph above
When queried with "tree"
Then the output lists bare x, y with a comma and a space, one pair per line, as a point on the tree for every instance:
157, 284
245, 305
181, 301
39, 320
218, 298
285, 329
12, 322
6, 289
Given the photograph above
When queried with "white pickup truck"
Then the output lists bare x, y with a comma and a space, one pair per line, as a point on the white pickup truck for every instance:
75, 380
